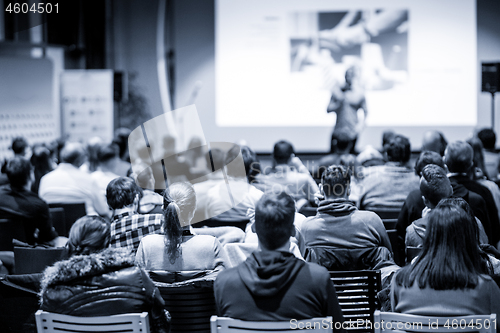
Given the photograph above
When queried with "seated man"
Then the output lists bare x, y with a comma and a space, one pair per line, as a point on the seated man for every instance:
128, 227
434, 186
68, 184
434, 141
488, 139
340, 236
233, 205
18, 203
289, 175
387, 186
273, 285
458, 157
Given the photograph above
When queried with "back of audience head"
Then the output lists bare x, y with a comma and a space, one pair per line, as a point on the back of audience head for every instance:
73, 153
108, 153
450, 257
274, 216
434, 185
434, 141
488, 138
477, 158
42, 159
20, 147
458, 157
250, 163
122, 192
179, 205
342, 142
121, 139
428, 157
399, 149
387, 136
19, 172
216, 156
335, 181
93, 146
89, 234
282, 152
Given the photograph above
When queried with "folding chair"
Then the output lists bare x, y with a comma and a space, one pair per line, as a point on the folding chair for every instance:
397, 322
47, 322
230, 325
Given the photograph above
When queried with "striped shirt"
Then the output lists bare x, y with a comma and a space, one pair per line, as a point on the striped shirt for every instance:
128, 229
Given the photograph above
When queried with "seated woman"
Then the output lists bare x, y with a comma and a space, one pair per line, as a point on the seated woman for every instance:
178, 249
449, 278
81, 285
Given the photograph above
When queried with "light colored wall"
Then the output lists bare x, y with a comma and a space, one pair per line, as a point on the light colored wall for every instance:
195, 61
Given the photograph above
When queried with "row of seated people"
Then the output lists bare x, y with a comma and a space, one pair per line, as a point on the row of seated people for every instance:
450, 277
334, 206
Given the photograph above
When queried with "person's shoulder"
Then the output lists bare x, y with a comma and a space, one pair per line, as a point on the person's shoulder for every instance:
318, 273
366, 216
227, 276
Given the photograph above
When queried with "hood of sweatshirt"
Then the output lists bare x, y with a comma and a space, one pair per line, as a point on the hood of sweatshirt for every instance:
337, 207
265, 273
420, 225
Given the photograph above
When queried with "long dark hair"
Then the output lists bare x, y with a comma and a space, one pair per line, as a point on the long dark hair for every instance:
450, 258
179, 203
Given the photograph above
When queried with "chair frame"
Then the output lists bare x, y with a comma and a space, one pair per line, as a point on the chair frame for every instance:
47, 322
229, 325
428, 323
357, 294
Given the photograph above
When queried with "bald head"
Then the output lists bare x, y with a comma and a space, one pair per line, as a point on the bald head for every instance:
73, 153
434, 141
458, 157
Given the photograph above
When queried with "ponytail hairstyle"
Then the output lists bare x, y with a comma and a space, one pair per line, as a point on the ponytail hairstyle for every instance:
89, 234
179, 204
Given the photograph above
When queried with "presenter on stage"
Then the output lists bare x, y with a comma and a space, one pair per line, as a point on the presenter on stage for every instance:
345, 102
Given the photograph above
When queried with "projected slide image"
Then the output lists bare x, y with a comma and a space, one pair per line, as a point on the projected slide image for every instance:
375, 41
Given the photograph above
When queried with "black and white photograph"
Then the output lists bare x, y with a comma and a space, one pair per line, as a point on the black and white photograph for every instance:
218, 166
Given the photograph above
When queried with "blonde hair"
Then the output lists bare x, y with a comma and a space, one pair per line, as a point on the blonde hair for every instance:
179, 202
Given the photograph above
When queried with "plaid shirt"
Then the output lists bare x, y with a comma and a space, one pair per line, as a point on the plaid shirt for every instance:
128, 229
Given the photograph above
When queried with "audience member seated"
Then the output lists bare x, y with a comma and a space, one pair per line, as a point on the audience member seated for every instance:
434, 141
488, 139
109, 164
43, 164
272, 284
83, 284
68, 184
479, 171
290, 175
388, 186
414, 204
178, 249
128, 227
458, 157
450, 277
18, 203
213, 178
342, 146
243, 195
341, 237
121, 139
151, 202
92, 149
20, 148
434, 186
195, 158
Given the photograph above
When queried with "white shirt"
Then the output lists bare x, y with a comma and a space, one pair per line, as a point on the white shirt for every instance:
68, 184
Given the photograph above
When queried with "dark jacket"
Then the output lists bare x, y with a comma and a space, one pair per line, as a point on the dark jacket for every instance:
489, 219
274, 285
100, 284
